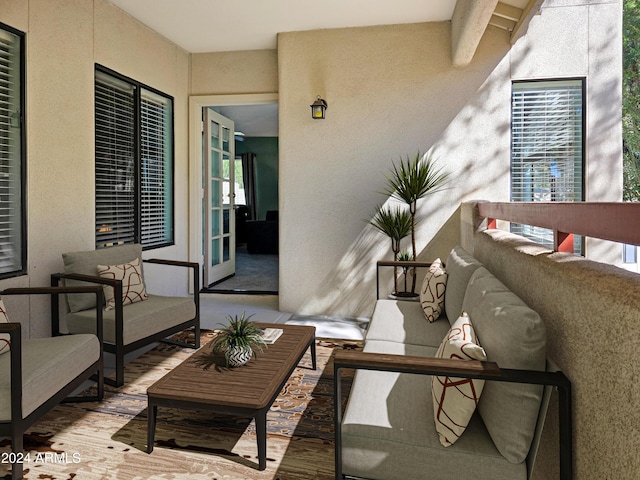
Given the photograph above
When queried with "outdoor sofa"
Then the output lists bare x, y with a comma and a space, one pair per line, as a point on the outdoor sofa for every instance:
388, 429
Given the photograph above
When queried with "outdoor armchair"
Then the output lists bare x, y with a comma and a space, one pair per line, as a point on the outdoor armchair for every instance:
134, 318
37, 374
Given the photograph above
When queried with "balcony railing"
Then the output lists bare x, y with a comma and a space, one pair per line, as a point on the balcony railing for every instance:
614, 221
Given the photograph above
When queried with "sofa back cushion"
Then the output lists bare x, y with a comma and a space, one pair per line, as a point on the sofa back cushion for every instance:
460, 265
87, 263
513, 336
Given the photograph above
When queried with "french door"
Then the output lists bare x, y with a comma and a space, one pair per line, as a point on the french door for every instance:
219, 246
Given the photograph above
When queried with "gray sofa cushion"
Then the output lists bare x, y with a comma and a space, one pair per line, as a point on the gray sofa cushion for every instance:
140, 319
460, 266
48, 364
388, 430
87, 263
404, 322
513, 336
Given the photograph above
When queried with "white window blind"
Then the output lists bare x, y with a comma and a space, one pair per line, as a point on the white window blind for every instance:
134, 164
156, 151
12, 248
115, 161
546, 147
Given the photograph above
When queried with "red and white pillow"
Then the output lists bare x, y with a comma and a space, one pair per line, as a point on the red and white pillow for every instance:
5, 340
132, 283
455, 399
432, 291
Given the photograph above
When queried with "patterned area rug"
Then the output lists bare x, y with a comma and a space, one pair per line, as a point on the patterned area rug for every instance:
107, 440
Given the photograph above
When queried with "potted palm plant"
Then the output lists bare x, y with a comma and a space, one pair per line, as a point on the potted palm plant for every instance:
411, 180
239, 340
395, 224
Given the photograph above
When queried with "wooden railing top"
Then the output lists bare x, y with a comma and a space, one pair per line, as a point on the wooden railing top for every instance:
615, 221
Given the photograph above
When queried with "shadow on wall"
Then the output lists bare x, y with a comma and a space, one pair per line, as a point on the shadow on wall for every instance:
340, 291
350, 288
474, 143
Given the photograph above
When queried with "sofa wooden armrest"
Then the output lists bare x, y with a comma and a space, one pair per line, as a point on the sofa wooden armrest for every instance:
403, 263
85, 356
488, 371
412, 364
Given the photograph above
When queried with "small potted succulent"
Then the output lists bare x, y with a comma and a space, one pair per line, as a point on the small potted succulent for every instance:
238, 340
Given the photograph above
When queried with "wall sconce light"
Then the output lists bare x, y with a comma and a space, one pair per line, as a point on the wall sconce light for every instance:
318, 108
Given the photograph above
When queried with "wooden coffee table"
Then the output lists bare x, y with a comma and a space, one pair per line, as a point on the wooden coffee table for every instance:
203, 382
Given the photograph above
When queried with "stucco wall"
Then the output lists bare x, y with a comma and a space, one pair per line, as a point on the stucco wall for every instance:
224, 73
392, 91
65, 38
591, 312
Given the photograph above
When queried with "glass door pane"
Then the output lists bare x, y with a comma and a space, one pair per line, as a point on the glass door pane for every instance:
219, 194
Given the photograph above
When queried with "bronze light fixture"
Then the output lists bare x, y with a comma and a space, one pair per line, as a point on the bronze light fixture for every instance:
318, 108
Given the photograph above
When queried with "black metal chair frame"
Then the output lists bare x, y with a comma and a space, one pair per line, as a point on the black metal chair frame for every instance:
17, 426
119, 349
488, 371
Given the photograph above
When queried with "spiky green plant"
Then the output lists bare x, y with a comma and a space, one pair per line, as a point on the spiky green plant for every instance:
404, 256
395, 223
239, 332
412, 179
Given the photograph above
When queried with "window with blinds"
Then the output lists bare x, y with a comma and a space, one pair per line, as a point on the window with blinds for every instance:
134, 163
157, 176
12, 153
547, 161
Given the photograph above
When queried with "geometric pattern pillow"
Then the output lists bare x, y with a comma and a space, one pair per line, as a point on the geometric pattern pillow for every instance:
5, 341
132, 283
455, 399
432, 291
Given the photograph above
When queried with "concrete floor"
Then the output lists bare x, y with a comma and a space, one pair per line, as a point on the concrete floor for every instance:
214, 308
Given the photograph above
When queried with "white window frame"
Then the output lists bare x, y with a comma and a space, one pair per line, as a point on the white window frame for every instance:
547, 147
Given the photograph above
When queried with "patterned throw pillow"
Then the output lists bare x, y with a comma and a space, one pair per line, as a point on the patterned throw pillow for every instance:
432, 291
5, 340
132, 283
455, 399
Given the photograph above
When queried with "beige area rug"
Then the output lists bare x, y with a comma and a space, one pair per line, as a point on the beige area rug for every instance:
108, 440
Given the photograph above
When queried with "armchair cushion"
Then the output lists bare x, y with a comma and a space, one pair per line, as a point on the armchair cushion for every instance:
153, 315
132, 283
5, 341
87, 262
47, 365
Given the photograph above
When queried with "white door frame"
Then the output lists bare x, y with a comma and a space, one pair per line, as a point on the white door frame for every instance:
196, 104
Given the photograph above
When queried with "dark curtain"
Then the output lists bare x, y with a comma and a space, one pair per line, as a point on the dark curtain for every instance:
249, 177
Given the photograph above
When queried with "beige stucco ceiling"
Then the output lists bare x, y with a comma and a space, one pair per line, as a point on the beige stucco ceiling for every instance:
217, 25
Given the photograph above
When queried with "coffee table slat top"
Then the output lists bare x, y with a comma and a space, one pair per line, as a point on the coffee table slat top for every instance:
204, 378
